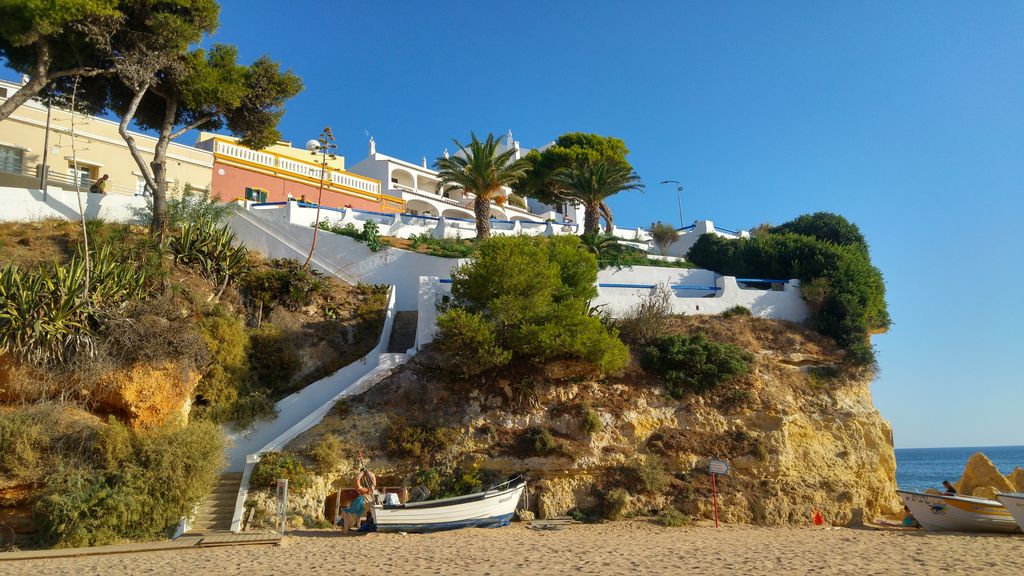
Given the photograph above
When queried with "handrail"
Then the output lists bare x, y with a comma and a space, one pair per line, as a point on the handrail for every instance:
762, 280
652, 286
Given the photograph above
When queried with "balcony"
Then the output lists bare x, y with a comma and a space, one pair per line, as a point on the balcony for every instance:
306, 170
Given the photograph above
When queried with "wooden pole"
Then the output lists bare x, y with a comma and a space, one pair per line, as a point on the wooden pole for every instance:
714, 493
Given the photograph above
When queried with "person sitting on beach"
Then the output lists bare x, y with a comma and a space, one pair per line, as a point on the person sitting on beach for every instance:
908, 519
950, 490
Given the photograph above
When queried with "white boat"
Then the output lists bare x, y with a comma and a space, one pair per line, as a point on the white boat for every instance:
488, 509
938, 512
1015, 505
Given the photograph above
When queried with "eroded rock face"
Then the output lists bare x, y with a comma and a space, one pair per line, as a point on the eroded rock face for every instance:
796, 443
146, 394
982, 478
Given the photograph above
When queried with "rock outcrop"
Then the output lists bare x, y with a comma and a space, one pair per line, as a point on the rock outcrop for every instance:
799, 434
982, 478
146, 394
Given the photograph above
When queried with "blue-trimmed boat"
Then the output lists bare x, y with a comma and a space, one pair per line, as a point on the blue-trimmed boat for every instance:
491, 508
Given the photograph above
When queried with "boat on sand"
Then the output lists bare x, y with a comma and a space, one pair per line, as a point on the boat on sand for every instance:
488, 509
939, 512
1014, 503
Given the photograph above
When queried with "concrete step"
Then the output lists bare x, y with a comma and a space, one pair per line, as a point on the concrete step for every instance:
403, 331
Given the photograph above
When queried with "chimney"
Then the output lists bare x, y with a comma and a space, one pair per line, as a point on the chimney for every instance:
424, 161
373, 146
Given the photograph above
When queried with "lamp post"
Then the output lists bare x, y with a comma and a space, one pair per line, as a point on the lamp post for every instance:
324, 147
679, 197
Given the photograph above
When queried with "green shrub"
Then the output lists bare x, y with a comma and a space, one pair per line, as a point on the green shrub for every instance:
283, 283
531, 296
664, 235
517, 201
615, 504
641, 477
590, 421
326, 453
442, 247
24, 439
274, 466
273, 358
45, 315
825, 226
468, 343
150, 480
649, 319
369, 236
429, 445
737, 312
211, 250
694, 363
192, 205
672, 518
845, 292
537, 441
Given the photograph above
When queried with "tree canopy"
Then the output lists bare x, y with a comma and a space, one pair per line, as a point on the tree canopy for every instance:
591, 181
571, 149
845, 292
50, 41
479, 169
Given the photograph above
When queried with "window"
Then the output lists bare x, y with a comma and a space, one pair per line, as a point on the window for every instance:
86, 174
11, 159
255, 195
141, 188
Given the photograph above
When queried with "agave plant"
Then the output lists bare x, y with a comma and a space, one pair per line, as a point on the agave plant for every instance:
212, 250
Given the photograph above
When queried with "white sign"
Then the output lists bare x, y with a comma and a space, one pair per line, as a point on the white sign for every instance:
718, 467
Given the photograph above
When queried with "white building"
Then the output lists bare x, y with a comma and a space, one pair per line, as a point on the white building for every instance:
419, 186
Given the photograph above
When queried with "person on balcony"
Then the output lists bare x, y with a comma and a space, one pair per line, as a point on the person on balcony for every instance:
100, 186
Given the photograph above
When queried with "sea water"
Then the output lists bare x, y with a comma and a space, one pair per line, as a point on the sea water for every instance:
921, 468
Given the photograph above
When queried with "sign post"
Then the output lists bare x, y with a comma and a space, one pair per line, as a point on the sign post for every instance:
716, 467
282, 505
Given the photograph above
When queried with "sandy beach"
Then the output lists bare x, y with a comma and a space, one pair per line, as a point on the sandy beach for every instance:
616, 548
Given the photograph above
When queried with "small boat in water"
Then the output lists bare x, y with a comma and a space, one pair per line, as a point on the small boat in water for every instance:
491, 508
1015, 505
938, 512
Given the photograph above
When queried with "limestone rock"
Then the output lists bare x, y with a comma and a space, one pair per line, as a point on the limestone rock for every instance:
985, 492
146, 394
1017, 479
980, 472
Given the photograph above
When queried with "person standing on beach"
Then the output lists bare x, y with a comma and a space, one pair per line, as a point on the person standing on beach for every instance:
950, 490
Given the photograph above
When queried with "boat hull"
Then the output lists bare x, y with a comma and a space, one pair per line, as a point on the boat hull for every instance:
483, 510
1014, 503
958, 513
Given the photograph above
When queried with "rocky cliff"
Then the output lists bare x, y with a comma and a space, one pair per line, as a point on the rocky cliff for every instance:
799, 431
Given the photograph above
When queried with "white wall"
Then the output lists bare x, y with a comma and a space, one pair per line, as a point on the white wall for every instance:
633, 284
264, 231
27, 204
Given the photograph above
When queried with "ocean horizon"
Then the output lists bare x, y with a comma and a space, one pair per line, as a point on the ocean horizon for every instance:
923, 468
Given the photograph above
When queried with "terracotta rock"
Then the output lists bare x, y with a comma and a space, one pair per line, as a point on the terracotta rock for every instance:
980, 472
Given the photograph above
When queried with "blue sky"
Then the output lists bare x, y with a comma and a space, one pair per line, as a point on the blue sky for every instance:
905, 117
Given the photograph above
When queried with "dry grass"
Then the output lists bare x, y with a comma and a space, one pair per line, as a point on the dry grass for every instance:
29, 244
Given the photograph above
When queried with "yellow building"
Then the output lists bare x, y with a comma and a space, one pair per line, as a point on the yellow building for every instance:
99, 149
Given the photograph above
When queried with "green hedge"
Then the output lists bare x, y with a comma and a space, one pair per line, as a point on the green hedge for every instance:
694, 363
846, 293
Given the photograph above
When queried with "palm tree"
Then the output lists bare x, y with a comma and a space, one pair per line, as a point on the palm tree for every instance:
590, 183
481, 171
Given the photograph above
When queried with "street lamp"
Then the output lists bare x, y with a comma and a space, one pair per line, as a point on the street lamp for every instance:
679, 197
324, 147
